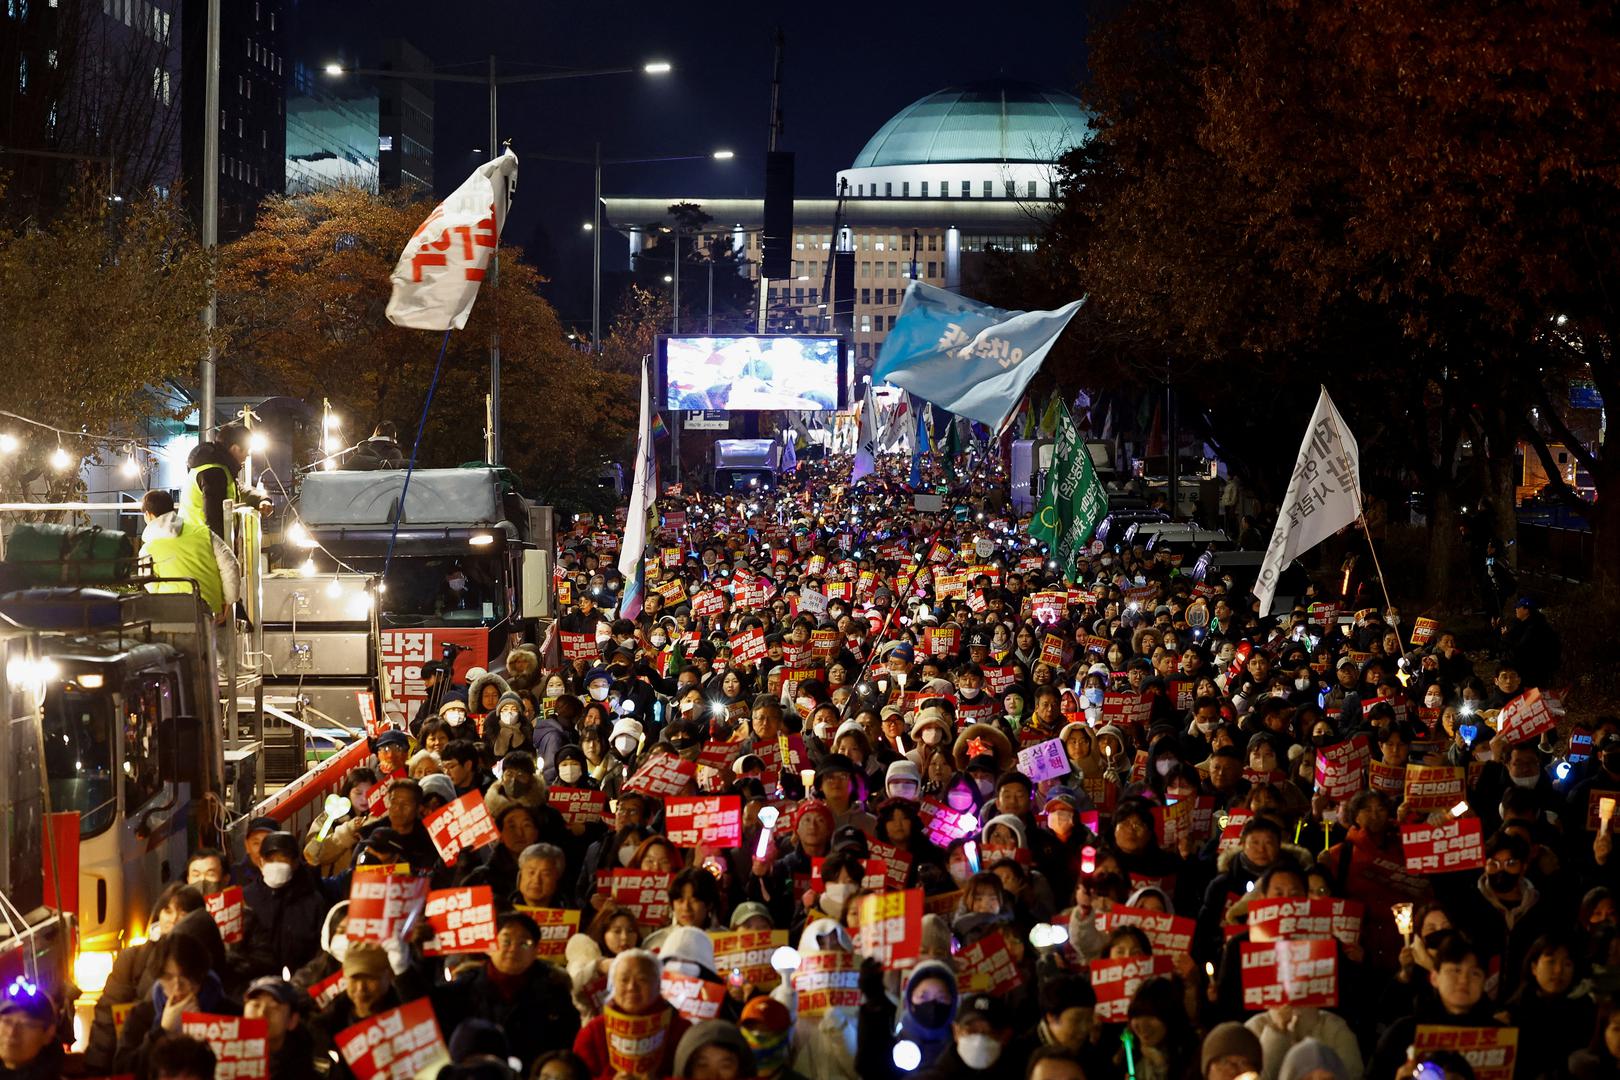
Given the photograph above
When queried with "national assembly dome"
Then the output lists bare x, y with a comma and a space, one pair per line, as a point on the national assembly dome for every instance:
989, 139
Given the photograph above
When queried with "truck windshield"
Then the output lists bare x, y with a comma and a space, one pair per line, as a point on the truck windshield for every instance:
422, 590
79, 755
741, 480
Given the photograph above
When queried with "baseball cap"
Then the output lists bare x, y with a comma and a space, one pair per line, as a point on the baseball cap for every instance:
986, 1006
280, 989
279, 843
32, 1001
263, 824
391, 738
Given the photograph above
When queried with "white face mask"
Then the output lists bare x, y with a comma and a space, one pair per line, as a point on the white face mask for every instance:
509, 717
339, 947
625, 745
625, 642
1432, 701
903, 789
967, 693
1302, 684
276, 874
658, 641
626, 853
457, 584
932, 735
835, 896
455, 717
598, 692
824, 731
1526, 781
568, 772
978, 1051
554, 691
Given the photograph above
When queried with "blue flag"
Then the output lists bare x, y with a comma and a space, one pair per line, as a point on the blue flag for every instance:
968, 357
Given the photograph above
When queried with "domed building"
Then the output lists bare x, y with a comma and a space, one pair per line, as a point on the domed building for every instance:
953, 174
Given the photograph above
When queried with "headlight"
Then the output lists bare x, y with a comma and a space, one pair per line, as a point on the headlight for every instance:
91, 969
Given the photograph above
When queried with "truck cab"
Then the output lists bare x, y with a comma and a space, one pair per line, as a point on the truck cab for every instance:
745, 465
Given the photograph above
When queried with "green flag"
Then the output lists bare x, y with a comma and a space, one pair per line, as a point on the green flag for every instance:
1074, 502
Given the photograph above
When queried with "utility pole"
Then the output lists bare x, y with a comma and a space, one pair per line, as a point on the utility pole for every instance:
776, 131
676, 326
210, 219
492, 436
596, 258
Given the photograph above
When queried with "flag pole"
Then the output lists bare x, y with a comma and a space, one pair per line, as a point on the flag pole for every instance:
1361, 519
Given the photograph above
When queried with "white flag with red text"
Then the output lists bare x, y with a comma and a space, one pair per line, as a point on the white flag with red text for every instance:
438, 274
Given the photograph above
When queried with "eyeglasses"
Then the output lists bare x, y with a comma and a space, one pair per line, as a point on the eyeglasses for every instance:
511, 941
1493, 865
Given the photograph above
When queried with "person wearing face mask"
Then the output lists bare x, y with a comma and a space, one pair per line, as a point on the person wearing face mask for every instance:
334, 946
928, 1002
979, 1033
624, 751
572, 769
555, 728
1504, 912
185, 982
930, 733
598, 684
509, 729
767, 1026
483, 701
282, 916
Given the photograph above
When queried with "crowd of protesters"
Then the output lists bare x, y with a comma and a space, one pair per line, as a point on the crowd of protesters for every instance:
1116, 915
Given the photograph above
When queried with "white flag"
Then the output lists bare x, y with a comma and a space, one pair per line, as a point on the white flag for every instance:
643, 491
438, 274
1323, 497
866, 445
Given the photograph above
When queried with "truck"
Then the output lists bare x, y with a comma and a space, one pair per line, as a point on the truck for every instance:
468, 576
744, 465
1032, 459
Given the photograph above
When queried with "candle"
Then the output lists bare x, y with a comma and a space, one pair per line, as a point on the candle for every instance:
1403, 920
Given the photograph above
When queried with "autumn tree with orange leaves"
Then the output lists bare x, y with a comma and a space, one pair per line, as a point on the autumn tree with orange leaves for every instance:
302, 300
1413, 202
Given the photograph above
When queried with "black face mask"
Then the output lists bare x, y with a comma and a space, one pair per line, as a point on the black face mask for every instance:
1432, 942
1501, 881
932, 1014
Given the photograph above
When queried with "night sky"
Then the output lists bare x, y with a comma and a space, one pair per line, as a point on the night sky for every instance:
848, 68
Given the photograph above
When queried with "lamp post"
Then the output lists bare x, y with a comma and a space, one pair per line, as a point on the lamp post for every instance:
594, 226
494, 81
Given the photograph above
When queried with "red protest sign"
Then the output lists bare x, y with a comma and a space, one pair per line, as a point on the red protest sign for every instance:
1049, 606
646, 892
397, 1044
1316, 917
578, 645
896, 863
828, 979
1389, 779
1491, 1051
1338, 768
942, 824
383, 900
578, 806
1526, 717
710, 820
987, 966
694, 998
1044, 760
1423, 629
1168, 934
463, 825
824, 644
1458, 844
748, 953
708, 604
1126, 707
1052, 650
1433, 787
327, 990
942, 641
1116, 982
748, 647
556, 925
1303, 973
663, 775
463, 921
997, 679
891, 927
241, 1046
226, 908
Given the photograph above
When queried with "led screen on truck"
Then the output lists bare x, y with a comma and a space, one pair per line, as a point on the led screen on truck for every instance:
751, 372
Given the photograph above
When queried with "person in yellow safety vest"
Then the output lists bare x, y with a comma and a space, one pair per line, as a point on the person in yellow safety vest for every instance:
179, 548
211, 479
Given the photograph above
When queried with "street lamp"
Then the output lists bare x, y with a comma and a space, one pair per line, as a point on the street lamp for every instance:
493, 81
594, 226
